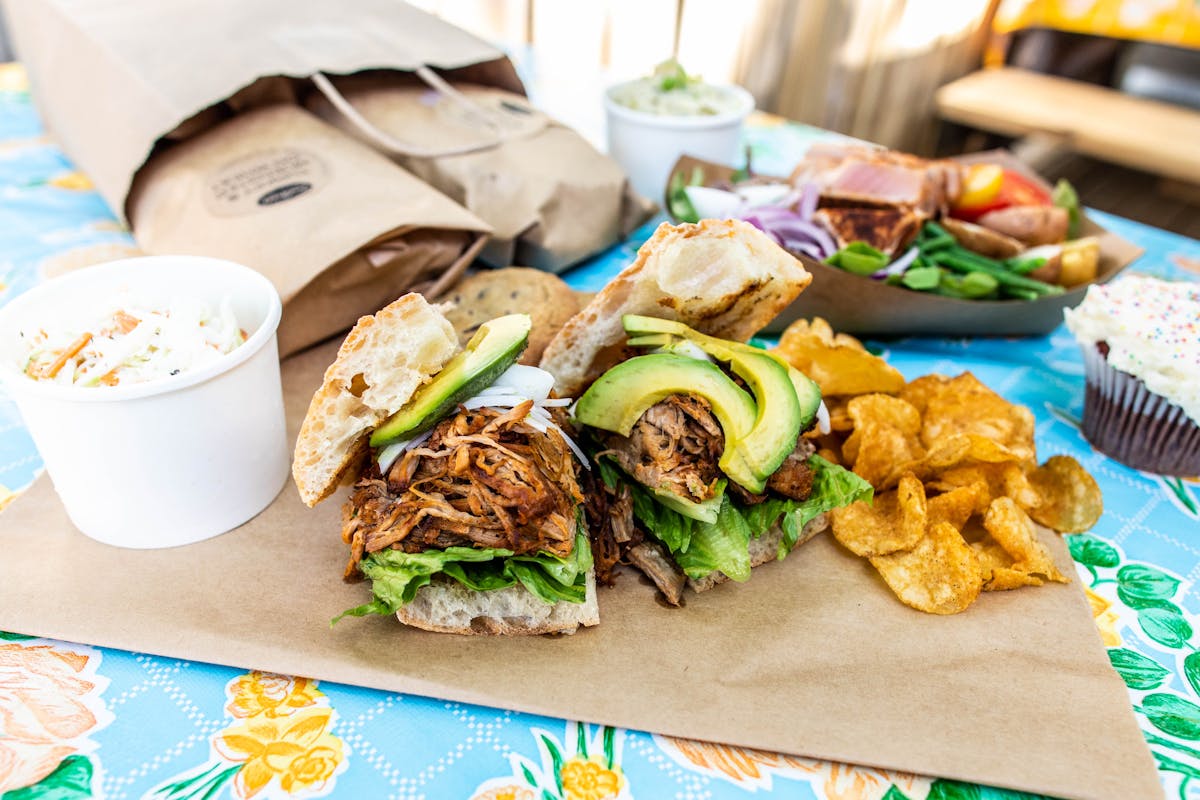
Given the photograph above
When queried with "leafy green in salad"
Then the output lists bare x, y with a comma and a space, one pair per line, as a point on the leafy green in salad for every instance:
1065, 196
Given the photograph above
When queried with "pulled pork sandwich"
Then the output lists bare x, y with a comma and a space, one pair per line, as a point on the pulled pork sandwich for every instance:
466, 510
702, 467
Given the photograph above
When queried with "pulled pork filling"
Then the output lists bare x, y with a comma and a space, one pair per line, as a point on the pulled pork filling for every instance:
675, 446
485, 478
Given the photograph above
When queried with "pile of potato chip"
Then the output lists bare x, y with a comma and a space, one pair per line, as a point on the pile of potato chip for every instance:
957, 486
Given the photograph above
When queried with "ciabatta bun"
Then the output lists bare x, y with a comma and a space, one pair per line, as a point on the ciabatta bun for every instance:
446, 606
725, 278
382, 362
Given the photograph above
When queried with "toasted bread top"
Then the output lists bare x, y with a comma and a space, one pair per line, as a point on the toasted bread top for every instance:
385, 358
725, 278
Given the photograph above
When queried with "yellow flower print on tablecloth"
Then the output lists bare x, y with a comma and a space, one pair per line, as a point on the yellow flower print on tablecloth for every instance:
502, 789
270, 695
296, 749
754, 769
589, 779
591, 772
279, 744
49, 704
1106, 618
72, 181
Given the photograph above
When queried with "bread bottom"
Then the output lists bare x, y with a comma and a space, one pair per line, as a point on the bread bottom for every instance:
446, 606
763, 549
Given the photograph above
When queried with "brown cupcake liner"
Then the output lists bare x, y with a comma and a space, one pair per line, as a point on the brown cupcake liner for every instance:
1141, 429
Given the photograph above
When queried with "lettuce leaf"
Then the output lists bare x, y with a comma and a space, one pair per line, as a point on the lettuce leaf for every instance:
723, 546
833, 487
700, 548
396, 576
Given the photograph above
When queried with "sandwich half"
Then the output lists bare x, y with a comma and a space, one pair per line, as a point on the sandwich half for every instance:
466, 509
703, 468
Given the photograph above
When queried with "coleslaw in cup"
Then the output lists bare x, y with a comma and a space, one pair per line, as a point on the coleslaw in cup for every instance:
151, 388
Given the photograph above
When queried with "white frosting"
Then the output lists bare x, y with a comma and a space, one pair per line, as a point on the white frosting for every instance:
1152, 328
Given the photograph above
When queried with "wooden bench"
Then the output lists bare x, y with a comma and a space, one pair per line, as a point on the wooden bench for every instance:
1093, 120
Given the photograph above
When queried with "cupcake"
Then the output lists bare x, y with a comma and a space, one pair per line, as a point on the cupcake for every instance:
1141, 350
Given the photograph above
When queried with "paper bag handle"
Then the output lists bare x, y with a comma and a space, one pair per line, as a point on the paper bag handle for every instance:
395, 147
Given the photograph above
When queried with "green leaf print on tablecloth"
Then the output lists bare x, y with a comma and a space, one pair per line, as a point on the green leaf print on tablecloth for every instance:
1165, 626
1138, 671
1138, 608
71, 780
1172, 714
1146, 583
1093, 552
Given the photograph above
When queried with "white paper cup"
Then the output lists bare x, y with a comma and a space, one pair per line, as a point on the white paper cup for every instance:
648, 145
169, 461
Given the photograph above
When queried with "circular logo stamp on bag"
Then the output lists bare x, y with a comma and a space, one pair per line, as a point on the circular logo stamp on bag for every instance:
264, 180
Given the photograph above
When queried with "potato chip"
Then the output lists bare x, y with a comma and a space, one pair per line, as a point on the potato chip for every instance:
964, 405
1015, 483
997, 565
839, 364
880, 449
1013, 530
951, 452
832, 456
886, 429
955, 506
850, 446
940, 574
1003, 579
829, 445
883, 408
994, 480
917, 393
839, 417
1070, 499
895, 522
957, 477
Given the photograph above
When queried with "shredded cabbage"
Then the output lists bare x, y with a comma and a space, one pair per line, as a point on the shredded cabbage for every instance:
133, 342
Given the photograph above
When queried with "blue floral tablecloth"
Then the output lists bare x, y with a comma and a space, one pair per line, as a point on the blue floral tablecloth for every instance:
79, 721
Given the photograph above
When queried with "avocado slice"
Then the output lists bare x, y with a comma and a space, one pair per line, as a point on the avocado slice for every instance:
651, 331
782, 414
620, 396
706, 511
495, 347
777, 425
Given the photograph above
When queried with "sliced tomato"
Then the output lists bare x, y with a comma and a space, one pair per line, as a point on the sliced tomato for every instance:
981, 185
1013, 189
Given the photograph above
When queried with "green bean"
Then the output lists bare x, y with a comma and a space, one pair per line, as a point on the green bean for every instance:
1021, 294
936, 243
972, 286
1023, 266
979, 284
935, 229
1003, 277
921, 279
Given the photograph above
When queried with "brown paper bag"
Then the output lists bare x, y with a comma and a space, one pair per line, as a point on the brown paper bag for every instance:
338, 228
143, 97
113, 79
550, 197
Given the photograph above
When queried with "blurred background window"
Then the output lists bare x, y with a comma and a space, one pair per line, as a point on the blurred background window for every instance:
867, 68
